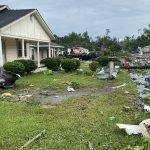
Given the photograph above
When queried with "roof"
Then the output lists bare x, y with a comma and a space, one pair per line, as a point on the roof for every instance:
2, 6
9, 16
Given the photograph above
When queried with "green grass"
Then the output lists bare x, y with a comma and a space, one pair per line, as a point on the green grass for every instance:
73, 123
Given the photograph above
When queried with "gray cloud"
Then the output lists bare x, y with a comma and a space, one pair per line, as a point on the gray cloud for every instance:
64, 16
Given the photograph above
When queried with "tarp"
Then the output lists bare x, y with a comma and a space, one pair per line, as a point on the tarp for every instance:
147, 79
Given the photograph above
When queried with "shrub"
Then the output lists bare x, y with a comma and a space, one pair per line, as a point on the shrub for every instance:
103, 60
52, 63
15, 67
29, 65
77, 64
94, 66
88, 73
69, 65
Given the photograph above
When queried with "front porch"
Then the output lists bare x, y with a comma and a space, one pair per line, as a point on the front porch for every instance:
13, 48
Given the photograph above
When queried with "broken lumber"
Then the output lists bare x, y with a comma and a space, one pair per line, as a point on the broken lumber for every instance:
32, 140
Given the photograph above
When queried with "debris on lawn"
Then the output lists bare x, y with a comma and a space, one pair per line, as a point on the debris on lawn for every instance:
126, 92
90, 146
70, 89
31, 85
143, 128
147, 108
7, 95
116, 87
111, 119
32, 140
48, 72
8, 79
111, 72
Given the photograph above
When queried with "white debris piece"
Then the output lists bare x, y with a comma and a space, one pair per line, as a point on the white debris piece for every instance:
90, 146
143, 128
126, 92
102, 71
147, 108
70, 89
130, 129
116, 87
146, 89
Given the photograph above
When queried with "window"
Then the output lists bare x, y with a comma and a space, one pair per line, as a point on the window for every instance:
19, 49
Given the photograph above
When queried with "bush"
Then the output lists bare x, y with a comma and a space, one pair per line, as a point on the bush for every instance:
77, 64
103, 60
94, 66
52, 63
88, 73
69, 64
29, 65
15, 67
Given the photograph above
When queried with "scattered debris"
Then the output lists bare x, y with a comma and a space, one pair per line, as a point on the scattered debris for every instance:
147, 79
130, 129
28, 96
48, 72
7, 95
32, 140
126, 92
31, 85
90, 146
8, 79
70, 89
116, 87
143, 128
147, 108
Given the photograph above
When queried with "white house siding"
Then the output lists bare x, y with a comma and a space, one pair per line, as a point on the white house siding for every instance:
28, 27
11, 49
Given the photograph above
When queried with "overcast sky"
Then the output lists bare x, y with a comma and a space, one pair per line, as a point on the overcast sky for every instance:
122, 17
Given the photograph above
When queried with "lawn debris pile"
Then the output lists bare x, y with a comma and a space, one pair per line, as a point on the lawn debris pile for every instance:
8, 79
143, 128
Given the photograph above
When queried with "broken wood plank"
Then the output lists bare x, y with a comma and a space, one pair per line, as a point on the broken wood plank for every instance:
32, 140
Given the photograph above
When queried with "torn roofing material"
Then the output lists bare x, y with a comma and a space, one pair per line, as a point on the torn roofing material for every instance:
143, 128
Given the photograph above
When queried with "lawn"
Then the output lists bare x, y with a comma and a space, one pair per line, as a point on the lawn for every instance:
76, 121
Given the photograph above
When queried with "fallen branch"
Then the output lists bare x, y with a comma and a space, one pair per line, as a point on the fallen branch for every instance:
32, 140
116, 87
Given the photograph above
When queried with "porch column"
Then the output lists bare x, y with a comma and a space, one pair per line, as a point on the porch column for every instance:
23, 55
49, 50
28, 50
1, 52
38, 54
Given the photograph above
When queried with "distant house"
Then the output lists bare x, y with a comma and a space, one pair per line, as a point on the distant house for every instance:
22, 34
146, 49
77, 50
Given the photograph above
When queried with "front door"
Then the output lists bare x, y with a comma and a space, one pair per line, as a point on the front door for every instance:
4, 51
